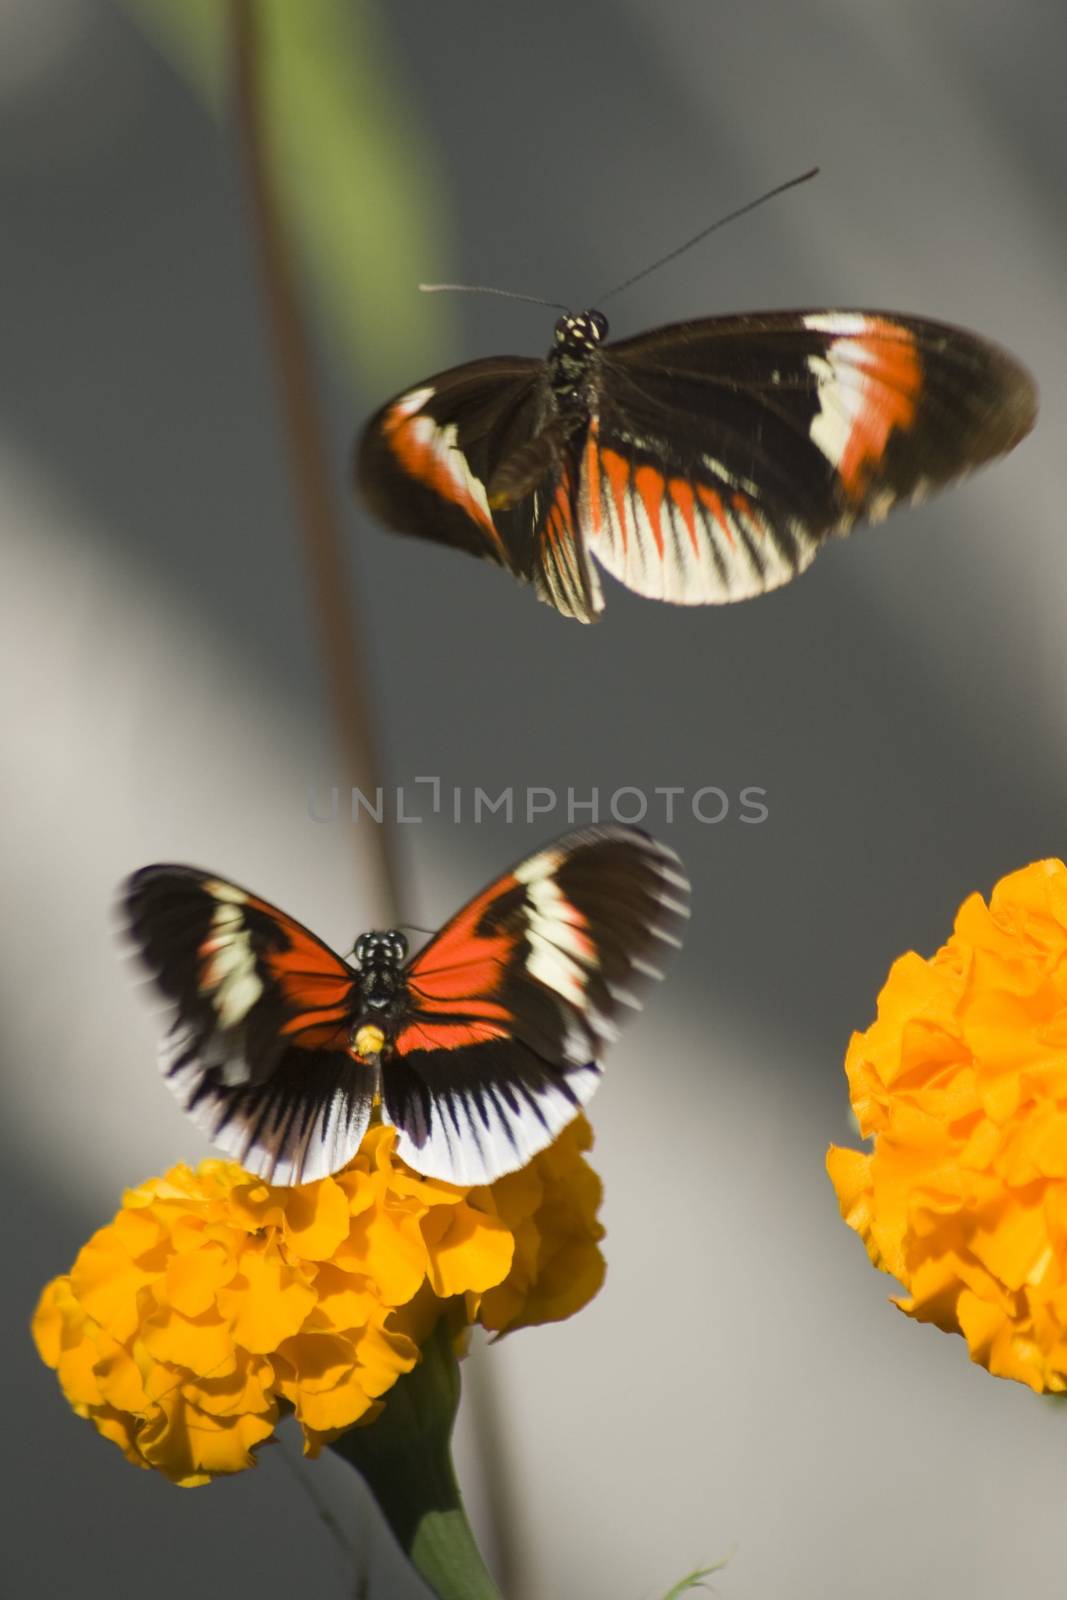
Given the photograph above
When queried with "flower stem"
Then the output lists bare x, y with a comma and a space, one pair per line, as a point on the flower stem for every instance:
404, 1456
303, 432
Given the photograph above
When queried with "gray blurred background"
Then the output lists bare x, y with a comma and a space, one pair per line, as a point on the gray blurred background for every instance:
741, 1384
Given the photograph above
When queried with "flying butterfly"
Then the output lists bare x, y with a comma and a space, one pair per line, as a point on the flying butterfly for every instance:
478, 1050
700, 463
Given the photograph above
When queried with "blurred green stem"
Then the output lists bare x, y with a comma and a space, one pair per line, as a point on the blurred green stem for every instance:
405, 1454
405, 1458
316, 507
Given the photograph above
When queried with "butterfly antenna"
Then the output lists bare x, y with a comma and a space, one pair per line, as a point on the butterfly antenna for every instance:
731, 216
414, 927
478, 288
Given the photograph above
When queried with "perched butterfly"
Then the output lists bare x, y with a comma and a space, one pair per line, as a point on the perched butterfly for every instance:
478, 1050
699, 463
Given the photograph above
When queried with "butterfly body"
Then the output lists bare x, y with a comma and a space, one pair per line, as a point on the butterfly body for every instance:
379, 961
478, 1049
700, 463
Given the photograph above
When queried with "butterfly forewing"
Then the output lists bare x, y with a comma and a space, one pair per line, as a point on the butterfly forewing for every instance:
426, 460
258, 1053
725, 452
513, 1001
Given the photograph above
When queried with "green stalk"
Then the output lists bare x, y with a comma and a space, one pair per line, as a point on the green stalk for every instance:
405, 1458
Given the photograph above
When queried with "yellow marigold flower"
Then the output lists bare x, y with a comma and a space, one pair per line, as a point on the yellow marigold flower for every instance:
962, 1083
213, 1300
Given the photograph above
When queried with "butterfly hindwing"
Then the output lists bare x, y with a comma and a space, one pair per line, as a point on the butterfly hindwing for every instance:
259, 1049
513, 1001
563, 574
476, 458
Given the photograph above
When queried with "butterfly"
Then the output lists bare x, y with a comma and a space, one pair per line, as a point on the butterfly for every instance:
700, 463
478, 1050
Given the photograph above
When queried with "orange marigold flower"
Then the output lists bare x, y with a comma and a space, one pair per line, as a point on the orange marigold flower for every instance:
213, 1300
962, 1083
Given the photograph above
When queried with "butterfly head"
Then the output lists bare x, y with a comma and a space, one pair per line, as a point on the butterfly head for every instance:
581, 330
386, 950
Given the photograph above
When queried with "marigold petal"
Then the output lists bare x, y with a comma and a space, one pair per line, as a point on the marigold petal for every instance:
193, 1278
1039, 1148
557, 1265
58, 1320
328, 1413
1012, 1240
330, 1393
76, 1370
340, 1304
190, 1446
258, 1206
387, 1245
384, 1353
516, 1196
1000, 1094
567, 1280
962, 1081
316, 1219
118, 1377
850, 1174
266, 1301
470, 1251
121, 1428
997, 1343
106, 1283
202, 1344
249, 1387
138, 1232
320, 1360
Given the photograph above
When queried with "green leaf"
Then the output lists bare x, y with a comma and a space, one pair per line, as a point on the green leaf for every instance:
357, 176
694, 1580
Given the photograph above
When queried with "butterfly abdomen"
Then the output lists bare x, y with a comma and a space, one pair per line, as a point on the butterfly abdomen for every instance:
527, 467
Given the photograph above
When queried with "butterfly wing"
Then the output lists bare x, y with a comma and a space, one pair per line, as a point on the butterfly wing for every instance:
724, 453
477, 458
258, 1053
425, 461
563, 574
513, 1001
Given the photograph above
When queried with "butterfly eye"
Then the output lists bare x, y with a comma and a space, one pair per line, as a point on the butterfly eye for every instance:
398, 947
598, 325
